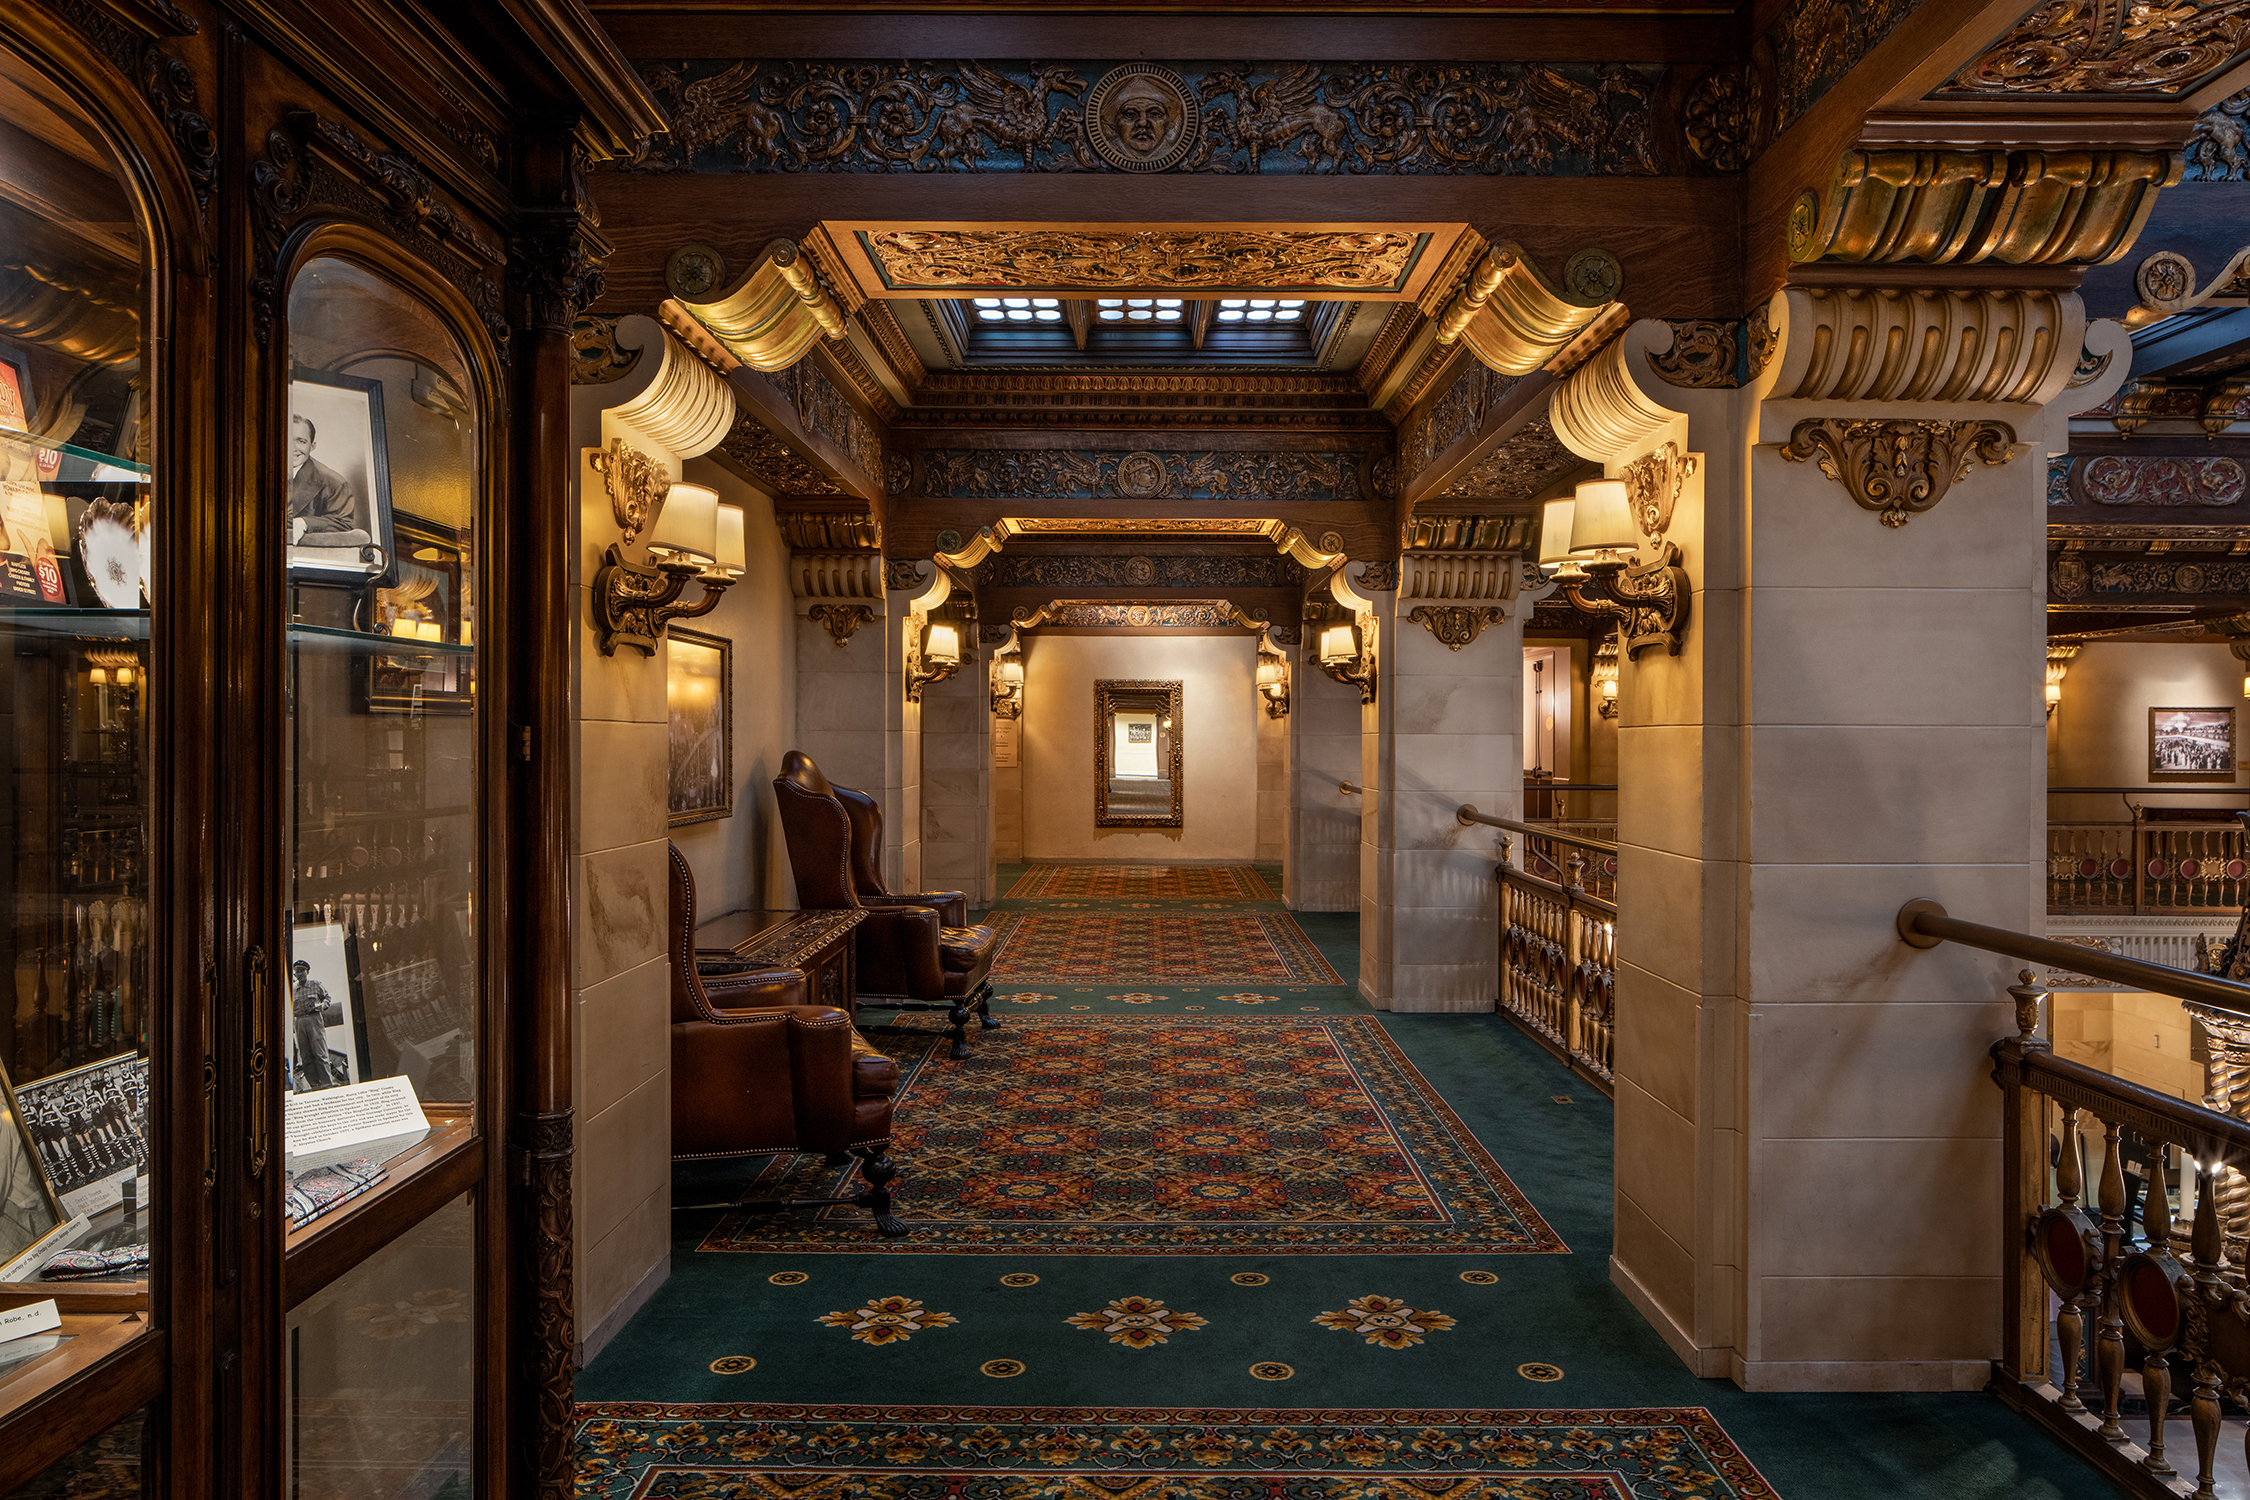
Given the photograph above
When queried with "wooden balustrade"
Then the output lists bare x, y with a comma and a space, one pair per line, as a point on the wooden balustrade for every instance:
1558, 942
2146, 868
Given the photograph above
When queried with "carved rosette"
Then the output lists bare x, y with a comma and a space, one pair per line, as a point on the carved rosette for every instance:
1702, 356
1898, 469
1455, 625
841, 621
1653, 483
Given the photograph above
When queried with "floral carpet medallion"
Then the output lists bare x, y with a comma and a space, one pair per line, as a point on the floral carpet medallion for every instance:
1043, 947
1141, 883
1136, 1322
1148, 1134
1384, 1321
892, 1320
633, 1451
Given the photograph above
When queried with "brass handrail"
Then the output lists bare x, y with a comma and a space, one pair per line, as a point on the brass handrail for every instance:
1467, 816
1924, 924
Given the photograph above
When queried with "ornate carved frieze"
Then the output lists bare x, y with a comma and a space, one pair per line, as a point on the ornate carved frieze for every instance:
1962, 207
596, 358
2079, 575
2000, 346
1379, 576
555, 267
1130, 397
841, 621
1458, 411
1455, 625
1170, 571
1466, 533
1275, 118
168, 84
1188, 614
2140, 402
770, 318
752, 451
2109, 49
2195, 481
2217, 151
1816, 42
822, 409
1898, 469
1513, 320
1720, 116
1706, 353
1760, 339
1653, 483
1532, 461
1103, 474
1065, 261
312, 164
902, 573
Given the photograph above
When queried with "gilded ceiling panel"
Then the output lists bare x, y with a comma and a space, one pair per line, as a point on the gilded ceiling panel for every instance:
1816, 42
1174, 260
1438, 118
1101, 474
2109, 49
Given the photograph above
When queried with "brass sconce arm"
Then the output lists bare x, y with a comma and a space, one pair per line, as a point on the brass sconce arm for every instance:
1277, 700
1649, 599
633, 602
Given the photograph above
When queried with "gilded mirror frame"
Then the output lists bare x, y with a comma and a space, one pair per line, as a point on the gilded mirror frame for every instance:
1111, 695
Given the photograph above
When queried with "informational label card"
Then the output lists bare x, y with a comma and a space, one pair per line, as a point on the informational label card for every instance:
1006, 735
376, 1120
31, 1318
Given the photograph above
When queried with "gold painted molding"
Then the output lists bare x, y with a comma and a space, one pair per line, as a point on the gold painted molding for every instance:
1511, 317
1898, 469
2021, 208
1107, 612
1917, 344
636, 484
1470, 577
842, 621
837, 575
1602, 411
1455, 625
1285, 537
773, 316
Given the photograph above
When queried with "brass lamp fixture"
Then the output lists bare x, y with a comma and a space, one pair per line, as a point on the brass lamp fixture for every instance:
695, 538
1007, 687
1649, 599
1273, 684
934, 654
2059, 657
1346, 652
1605, 676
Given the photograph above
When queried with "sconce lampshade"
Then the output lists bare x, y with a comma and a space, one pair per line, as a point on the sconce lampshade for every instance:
1609, 689
1601, 520
688, 526
2054, 692
944, 645
1554, 532
98, 676
1336, 644
1269, 673
1009, 672
733, 556
124, 676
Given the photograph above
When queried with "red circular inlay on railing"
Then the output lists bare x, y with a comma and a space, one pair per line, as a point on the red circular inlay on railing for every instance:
2089, 868
2236, 869
2190, 869
2120, 868
2156, 869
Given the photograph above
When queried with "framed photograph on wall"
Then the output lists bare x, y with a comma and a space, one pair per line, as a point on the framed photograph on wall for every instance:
425, 601
321, 1011
699, 695
340, 524
2191, 744
29, 1210
89, 1127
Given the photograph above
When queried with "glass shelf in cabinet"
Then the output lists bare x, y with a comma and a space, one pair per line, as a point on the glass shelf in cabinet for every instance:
80, 624
371, 644
76, 465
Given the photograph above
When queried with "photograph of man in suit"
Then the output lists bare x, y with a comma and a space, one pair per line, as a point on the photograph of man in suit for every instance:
324, 509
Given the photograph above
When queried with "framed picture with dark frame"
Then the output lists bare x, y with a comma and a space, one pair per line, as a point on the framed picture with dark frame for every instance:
321, 1009
2191, 744
699, 699
340, 523
90, 1129
426, 601
29, 1210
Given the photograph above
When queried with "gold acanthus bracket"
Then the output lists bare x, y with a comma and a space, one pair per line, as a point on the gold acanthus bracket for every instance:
635, 483
633, 602
1898, 469
1649, 599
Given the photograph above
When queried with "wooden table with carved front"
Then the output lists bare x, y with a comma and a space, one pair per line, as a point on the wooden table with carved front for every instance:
818, 942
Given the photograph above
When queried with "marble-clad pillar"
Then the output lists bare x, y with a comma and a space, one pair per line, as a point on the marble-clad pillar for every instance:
1808, 1151
956, 777
1320, 871
844, 668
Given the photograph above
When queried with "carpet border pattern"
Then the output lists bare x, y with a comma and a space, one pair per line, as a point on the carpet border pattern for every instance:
629, 1450
1307, 964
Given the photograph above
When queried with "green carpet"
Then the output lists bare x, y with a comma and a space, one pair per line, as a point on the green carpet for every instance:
756, 1374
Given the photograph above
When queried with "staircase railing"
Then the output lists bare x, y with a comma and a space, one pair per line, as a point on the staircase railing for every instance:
2146, 867
2144, 1251
1558, 943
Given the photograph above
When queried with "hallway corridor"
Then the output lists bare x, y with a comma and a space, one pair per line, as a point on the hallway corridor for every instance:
1188, 1224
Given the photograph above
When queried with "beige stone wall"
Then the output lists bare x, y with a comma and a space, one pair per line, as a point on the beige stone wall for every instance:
1218, 673
2098, 734
2142, 1038
1322, 871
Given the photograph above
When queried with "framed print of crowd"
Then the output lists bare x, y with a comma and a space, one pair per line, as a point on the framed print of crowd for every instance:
2191, 744
340, 524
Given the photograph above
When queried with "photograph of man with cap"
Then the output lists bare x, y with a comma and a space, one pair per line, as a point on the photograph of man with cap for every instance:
308, 1000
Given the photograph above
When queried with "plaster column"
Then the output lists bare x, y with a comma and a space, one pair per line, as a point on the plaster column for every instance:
843, 667
1808, 1149
901, 787
1320, 871
956, 782
1445, 729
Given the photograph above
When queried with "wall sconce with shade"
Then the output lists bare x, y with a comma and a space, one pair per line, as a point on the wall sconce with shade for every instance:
1007, 687
934, 654
695, 537
1649, 599
1605, 676
2059, 657
1346, 651
1554, 539
1273, 684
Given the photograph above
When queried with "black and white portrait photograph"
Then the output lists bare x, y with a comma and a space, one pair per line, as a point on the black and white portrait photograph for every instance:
90, 1128
699, 694
339, 478
2195, 742
28, 1210
322, 1010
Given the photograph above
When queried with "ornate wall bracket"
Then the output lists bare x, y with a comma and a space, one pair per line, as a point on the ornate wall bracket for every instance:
1455, 625
1513, 320
2060, 655
1649, 599
1354, 671
842, 621
1898, 469
634, 482
770, 319
633, 603
1653, 483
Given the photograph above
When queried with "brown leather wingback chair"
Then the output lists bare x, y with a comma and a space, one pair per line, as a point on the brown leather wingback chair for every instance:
757, 1072
914, 952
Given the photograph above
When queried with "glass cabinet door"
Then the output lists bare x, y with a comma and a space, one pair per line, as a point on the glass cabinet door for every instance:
379, 985
79, 931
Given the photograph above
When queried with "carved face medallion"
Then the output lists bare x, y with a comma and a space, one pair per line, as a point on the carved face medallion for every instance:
1140, 476
1142, 118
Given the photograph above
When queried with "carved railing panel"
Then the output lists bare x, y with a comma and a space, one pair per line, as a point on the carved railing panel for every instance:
2144, 868
1558, 968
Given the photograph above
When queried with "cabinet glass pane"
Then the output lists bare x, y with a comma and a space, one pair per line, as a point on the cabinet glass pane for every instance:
75, 547
382, 1372
108, 1468
380, 981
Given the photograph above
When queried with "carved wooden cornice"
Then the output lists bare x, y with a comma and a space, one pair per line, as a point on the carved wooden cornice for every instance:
845, 528
1325, 555
1907, 344
1466, 533
1898, 469
830, 575
769, 319
1529, 463
1175, 614
1514, 320
1480, 577
1141, 474
891, 339
1963, 207
2089, 52
865, 383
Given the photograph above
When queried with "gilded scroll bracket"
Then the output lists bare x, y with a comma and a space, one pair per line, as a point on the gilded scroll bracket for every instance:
1650, 600
842, 621
634, 482
1898, 469
1455, 625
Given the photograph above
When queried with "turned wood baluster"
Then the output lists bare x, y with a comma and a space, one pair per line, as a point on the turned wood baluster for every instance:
2156, 1371
2109, 1341
2195, 1345
2070, 1323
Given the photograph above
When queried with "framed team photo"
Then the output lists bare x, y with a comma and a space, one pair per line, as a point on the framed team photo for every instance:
89, 1127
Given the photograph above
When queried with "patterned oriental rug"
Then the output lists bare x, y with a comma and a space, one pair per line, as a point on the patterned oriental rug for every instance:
1138, 1135
1141, 883
1048, 947
633, 1451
